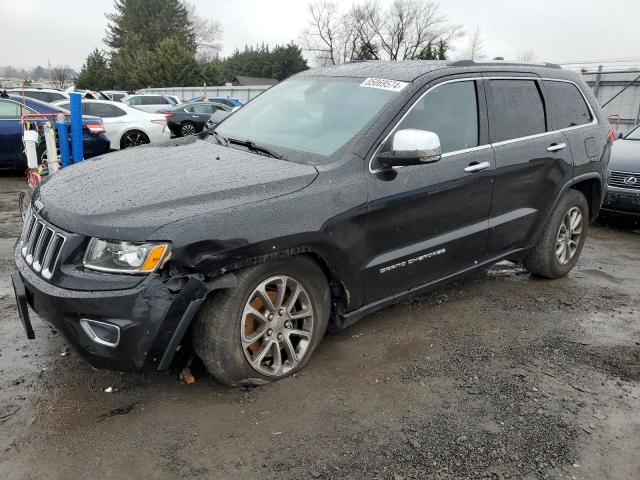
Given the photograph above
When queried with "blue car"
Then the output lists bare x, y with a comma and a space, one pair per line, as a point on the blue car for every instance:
229, 101
12, 107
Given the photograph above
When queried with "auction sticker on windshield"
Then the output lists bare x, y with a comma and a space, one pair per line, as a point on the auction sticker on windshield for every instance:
384, 84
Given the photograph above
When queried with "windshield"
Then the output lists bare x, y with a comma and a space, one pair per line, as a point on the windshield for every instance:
311, 115
633, 134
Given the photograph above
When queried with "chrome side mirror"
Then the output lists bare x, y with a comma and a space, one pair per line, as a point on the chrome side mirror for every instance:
411, 147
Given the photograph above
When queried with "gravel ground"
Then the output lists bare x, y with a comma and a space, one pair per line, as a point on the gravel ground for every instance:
499, 375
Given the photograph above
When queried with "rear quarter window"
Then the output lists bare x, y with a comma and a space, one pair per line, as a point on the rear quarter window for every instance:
566, 105
516, 110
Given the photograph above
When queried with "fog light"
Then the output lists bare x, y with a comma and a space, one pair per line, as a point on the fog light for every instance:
101, 332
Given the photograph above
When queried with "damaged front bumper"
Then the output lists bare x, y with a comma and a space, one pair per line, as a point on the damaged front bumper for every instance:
150, 319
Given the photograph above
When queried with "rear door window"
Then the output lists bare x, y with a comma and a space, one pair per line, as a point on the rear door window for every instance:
104, 110
516, 110
566, 105
451, 111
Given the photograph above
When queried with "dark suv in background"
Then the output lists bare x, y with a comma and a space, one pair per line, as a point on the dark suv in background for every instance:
623, 192
333, 194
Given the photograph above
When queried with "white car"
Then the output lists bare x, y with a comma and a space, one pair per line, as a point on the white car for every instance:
125, 126
148, 102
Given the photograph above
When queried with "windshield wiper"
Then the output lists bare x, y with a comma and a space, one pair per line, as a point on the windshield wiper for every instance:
255, 148
219, 138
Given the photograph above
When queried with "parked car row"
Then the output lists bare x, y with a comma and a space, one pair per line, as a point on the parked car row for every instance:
13, 107
125, 126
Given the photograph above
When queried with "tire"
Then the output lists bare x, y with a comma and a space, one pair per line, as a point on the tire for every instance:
221, 328
187, 129
133, 138
546, 259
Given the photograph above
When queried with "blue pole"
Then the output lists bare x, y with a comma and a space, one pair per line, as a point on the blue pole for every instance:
63, 140
76, 127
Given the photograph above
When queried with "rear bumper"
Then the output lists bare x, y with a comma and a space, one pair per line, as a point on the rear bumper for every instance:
622, 200
152, 317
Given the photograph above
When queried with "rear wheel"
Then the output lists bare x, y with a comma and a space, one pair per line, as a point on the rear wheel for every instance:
266, 328
133, 139
187, 129
562, 239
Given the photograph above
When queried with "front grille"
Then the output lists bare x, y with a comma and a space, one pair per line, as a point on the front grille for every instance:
625, 180
40, 245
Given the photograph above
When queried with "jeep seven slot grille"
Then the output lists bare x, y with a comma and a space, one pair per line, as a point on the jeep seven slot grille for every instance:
625, 180
40, 245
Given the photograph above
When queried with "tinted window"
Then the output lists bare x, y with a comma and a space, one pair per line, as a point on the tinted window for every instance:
54, 97
517, 110
451, 111
135, 101
117, 96
42, 96
104, 110
566, 105
10, 110
205, 108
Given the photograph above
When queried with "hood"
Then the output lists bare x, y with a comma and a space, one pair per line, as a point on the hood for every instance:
129, 194
625, 156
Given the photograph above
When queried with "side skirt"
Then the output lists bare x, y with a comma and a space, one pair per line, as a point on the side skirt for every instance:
344, 320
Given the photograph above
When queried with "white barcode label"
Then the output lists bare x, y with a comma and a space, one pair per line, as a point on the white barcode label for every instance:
384, 84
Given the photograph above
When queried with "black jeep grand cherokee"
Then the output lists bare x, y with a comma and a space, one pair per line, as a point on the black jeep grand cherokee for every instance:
333, 194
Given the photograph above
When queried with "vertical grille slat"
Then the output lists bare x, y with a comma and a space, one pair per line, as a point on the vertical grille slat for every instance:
41, 245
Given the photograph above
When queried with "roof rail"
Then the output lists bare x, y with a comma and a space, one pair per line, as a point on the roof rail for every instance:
470, 63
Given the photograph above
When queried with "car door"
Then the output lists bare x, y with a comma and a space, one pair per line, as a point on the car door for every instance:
532, 162
427, 222
10, 133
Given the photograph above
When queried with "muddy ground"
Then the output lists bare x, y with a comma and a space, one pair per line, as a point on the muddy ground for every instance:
499, 375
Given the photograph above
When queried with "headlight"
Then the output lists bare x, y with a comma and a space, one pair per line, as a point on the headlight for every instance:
124, 257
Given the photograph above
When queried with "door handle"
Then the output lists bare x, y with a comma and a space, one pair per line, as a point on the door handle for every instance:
556, 147
476, 167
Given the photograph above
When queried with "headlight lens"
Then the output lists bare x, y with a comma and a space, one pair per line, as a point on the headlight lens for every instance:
124, 257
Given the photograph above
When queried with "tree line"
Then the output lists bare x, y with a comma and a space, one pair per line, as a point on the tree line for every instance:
165, 42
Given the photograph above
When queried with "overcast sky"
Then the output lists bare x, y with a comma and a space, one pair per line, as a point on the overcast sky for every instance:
556, 30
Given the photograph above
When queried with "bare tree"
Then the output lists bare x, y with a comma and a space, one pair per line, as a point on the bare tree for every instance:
208, 34
322, 37
526, 56
475, 49
61, 76
401, 31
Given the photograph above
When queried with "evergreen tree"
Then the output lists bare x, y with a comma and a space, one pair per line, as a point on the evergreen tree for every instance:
152, 21
95, 73
171, 64
286, 61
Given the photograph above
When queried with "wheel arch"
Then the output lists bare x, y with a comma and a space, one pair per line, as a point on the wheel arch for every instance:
591, 187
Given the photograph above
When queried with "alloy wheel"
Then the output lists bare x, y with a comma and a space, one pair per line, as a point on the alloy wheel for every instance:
277, 326
569, 234
133, 139
187, 129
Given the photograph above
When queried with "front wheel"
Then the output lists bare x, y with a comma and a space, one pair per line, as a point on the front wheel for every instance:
266, 328
562, 239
